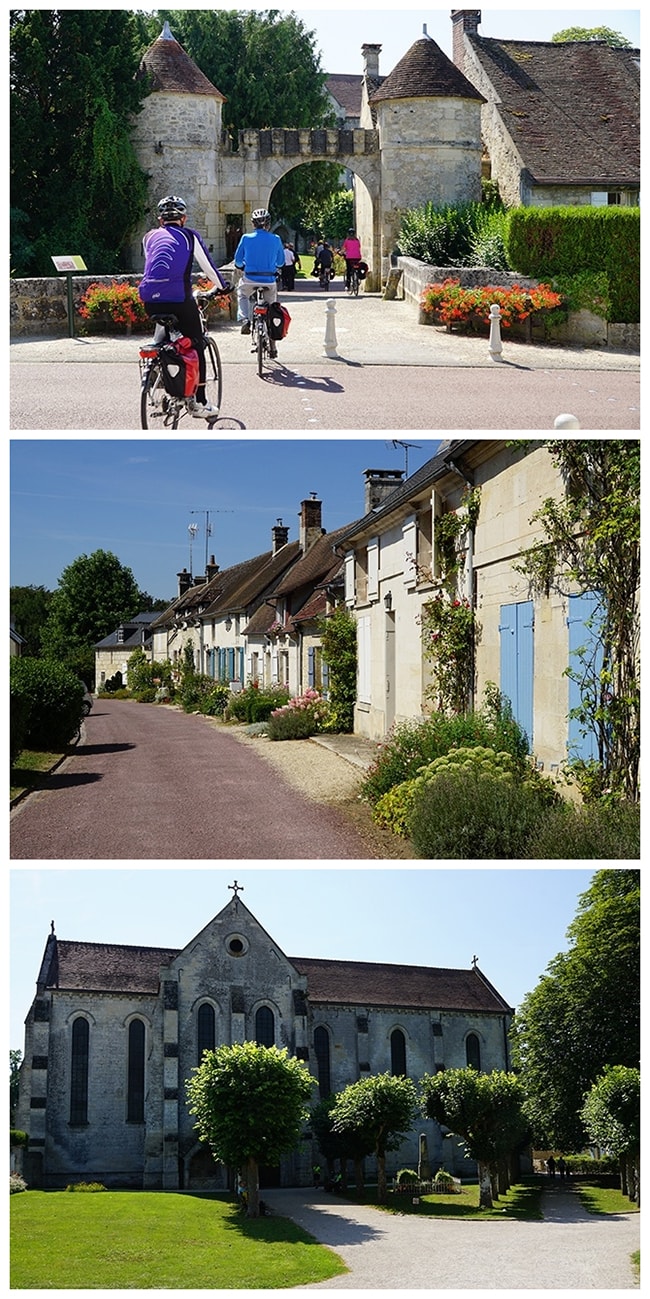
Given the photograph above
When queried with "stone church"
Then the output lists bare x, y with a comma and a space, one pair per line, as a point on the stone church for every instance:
114, 1032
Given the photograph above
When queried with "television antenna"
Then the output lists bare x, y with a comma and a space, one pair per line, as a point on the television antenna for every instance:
193, 528
207, 526
415, 446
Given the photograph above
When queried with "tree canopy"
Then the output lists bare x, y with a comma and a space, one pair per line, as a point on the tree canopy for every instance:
584, 1014
612, 1118
250, 1104
29, 607
606, 34
95, 593
76, 186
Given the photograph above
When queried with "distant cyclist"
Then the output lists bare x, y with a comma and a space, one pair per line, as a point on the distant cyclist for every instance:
351, 250
260, 255
324, 258
166, 286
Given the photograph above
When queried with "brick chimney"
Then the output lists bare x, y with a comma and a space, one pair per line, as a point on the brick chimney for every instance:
311, 529
379, 485
463, 20
279, 536
371, 60
184, 581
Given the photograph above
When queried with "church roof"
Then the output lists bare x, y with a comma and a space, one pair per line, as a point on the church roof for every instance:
425, 72
172, 70
364, 983
572, 109
111, 967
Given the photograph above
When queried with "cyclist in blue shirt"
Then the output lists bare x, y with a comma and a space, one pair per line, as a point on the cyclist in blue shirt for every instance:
166, 286
260, 255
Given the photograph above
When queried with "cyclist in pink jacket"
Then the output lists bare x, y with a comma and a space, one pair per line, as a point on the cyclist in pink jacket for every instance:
351, 250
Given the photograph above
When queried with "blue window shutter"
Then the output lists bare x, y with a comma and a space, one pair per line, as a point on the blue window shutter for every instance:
242, 664
516, 627
231, 664
584, 620
311, 666
325, 674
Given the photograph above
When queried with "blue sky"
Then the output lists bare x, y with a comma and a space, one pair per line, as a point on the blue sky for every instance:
513, 920
341, 31
135, 498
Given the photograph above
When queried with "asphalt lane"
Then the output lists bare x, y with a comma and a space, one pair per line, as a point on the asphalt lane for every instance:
155, 783
569, 1250
383, 371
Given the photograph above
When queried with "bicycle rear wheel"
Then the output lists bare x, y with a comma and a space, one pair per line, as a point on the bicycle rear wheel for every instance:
155, 403
213, 374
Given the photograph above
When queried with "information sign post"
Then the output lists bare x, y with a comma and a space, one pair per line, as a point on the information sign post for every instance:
70, 266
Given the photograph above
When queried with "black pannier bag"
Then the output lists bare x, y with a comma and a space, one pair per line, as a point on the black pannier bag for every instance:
279, 321
179, 362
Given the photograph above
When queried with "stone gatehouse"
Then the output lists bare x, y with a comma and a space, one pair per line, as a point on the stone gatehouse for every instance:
419, 140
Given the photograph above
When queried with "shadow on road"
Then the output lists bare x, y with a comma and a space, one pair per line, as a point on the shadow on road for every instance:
285, 378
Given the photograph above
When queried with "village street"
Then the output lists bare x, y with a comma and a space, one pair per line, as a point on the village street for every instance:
386, 371
154, 783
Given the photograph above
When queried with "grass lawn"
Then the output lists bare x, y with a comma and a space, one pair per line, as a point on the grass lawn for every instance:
152, 1240
604, 1199
30, 771
521, 1201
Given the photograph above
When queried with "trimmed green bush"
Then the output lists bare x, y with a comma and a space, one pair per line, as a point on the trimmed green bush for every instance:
466, 814
449, 234
50, 708
256, 703
414, 744
301, 717
406, 1175
558, 241
17, 1138
90, 1187
607, 830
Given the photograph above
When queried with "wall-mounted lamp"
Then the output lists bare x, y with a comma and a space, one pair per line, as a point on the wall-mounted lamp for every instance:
228, 623
158, 146
388, 601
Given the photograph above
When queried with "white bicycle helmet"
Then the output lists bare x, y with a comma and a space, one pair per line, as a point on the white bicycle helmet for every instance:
172, 208
260, 216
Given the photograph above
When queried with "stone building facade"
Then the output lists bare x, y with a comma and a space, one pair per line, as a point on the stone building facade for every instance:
114, 1032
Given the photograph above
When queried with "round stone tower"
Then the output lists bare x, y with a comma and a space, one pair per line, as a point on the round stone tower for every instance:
428, 116
177, 138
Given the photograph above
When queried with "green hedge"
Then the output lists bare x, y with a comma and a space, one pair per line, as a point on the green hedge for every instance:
46, 704
562, 241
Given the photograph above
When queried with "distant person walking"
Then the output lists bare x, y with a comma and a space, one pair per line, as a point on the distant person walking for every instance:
550, 1164
291, 265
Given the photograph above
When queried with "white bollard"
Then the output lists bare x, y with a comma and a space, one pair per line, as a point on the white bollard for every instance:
566, 421
330, 328
495, 344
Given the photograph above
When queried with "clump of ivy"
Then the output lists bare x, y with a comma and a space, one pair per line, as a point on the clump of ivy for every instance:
338, 634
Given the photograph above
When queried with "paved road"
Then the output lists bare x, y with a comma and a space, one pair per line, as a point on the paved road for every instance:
569, 1250
153, 783
388, 372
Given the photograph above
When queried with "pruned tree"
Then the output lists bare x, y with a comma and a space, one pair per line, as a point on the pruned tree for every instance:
378, 1112
612, 1118
250, 1104
485, 1111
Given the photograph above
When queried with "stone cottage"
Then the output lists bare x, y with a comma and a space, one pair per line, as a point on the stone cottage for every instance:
114, 1032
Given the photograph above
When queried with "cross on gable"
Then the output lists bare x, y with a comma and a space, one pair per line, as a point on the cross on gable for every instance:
236, 888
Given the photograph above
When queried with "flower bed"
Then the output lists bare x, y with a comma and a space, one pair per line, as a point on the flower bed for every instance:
117, 303
449, 304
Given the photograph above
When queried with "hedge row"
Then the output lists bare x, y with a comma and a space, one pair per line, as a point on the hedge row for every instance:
550, 242
46, 705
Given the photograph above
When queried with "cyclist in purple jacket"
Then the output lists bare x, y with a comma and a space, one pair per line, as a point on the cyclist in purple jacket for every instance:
166, 286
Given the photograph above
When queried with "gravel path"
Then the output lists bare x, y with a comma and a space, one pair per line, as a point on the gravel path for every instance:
569, 1250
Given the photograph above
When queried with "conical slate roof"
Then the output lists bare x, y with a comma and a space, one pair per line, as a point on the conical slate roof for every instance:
425, 72
171, 69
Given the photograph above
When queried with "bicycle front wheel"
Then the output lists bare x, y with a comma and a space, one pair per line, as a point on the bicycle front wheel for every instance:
213, 374
154, 402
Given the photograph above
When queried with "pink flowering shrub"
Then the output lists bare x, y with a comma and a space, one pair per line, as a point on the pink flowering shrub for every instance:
301, 717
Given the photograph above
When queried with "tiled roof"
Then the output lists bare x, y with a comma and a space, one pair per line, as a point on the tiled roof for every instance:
317, 565
345, 88
572, 109
250, 588
425, 71
110, 967
427, 474
364, 983
172, 70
